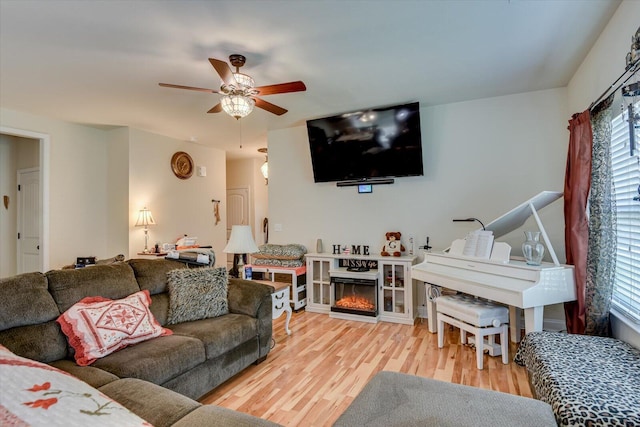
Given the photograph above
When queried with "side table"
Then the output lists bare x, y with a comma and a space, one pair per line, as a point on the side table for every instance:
280, 301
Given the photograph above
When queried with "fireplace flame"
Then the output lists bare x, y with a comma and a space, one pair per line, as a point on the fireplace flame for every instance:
355, 303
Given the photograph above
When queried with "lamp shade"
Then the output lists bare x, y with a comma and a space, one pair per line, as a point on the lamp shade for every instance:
241, 241
145, 218
237, 106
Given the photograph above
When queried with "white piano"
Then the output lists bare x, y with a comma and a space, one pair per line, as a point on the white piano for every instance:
505, 280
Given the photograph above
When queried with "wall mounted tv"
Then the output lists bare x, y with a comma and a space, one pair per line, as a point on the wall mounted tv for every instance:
366, 145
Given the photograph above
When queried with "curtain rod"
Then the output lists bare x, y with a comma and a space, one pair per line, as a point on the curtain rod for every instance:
633, 69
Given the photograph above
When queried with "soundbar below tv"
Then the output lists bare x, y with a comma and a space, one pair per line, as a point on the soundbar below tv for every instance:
368, 144
352, 183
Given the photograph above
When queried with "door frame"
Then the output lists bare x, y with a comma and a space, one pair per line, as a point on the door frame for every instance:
45, 155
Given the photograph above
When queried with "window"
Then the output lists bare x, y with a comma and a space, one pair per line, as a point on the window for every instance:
626, 179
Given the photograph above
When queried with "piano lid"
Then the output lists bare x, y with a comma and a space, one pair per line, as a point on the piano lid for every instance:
517, 216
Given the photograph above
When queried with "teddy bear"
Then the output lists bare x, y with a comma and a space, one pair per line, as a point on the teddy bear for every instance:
393, 246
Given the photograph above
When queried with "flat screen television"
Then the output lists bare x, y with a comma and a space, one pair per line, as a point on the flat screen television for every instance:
368, 144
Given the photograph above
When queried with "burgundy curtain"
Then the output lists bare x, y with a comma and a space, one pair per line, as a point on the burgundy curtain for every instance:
576, 234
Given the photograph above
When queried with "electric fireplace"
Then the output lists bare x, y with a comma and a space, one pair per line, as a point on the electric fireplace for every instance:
355, 296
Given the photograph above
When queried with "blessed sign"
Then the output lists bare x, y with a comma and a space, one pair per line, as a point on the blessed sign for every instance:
371, 264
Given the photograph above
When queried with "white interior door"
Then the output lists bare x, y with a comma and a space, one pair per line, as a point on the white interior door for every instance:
237, 212
28, 220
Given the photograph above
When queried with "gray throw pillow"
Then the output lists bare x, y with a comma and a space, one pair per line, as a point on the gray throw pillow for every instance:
197, 293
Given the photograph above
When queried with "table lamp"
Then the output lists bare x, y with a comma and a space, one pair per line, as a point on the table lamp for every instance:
145, 219
240, 243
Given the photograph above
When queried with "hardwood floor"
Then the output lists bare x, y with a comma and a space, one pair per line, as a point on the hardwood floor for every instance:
311, 376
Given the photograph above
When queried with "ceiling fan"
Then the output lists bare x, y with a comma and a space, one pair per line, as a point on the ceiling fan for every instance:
239, 95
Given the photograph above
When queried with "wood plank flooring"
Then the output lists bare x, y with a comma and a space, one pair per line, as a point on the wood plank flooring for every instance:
311, 376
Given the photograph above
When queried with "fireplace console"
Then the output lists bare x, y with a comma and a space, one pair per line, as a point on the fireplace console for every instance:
384, 293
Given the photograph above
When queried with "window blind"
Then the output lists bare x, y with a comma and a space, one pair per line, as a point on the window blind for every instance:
626, 179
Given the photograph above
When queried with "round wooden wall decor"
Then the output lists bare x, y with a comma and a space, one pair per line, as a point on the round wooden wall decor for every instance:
182, 165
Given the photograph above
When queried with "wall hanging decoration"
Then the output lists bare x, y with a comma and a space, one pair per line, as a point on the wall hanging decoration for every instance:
182, 165
216, 210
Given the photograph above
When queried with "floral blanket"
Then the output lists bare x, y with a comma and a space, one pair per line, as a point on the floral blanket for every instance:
587, 380
36, 394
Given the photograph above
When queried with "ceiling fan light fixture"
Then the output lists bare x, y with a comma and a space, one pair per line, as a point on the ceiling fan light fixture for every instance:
246, 82
237, 106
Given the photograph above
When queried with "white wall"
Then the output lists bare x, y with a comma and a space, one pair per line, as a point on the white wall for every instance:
118, 192
179, 206
602, 66
606, 59
481, 158
99, 179
77, 179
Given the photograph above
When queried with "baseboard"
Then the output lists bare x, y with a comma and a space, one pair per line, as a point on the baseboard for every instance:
555, 325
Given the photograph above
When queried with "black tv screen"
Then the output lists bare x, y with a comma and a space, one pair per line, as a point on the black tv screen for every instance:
367, 144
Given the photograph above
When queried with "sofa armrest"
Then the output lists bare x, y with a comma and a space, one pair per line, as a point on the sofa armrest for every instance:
254, 299
247, 297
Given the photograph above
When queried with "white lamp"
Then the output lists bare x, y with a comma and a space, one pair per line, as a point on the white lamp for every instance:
145, 219
240, 243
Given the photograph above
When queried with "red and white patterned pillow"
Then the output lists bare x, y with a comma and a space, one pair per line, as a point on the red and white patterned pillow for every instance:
97, 326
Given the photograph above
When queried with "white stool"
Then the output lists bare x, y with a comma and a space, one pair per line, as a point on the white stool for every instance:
478, 317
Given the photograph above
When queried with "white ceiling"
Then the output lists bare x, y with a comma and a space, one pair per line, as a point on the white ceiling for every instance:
99, 62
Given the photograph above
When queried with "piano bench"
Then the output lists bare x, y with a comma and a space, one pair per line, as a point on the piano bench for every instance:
478, 317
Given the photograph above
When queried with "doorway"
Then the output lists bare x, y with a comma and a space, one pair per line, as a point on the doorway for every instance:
237, 212
8, 187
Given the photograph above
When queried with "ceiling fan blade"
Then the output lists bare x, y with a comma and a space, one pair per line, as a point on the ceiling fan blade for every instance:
199, 89
216, 109
272, 108
281, 88
224, 71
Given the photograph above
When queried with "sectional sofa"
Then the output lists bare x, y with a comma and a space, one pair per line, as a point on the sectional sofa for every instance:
189, 358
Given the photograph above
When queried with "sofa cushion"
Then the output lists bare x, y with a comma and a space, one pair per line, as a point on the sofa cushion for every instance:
96, 326
110, 281
288, 263
197, 293
93, 376
26, 301
159, 406
43, 342
157, 360
282, 252
151, 274
395, 399
220, 334
160, 307
37, 394
203, 416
